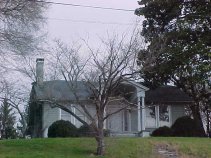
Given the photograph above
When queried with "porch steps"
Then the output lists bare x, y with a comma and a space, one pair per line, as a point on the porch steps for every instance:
125, 134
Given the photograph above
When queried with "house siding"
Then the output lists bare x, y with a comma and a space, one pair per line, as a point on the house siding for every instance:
134, 120
115, 122
50, 115
176, 112
79, 112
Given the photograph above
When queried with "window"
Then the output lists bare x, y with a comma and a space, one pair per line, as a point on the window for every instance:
164, 115
150, 117
68, 117
81, 116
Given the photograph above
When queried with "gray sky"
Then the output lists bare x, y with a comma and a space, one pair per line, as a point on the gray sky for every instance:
72, 23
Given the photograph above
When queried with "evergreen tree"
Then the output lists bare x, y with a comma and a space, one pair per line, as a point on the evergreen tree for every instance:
7, 118
179, 50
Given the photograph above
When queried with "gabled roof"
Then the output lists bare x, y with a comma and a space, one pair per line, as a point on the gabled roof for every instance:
138, 85
59, 90
167, 95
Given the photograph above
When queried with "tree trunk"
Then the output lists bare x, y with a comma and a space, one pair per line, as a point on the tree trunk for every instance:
208, 122
197, 117
100, 139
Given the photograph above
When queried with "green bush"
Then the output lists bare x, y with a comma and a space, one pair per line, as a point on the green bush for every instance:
187, 127
162, 132
85, 131
106, 132
62, 128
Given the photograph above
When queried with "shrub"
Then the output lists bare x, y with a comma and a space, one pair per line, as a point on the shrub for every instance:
106, 132
85, 131
187, 127
62, 128
162, 132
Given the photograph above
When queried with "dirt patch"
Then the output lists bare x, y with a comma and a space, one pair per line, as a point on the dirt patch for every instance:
166, 151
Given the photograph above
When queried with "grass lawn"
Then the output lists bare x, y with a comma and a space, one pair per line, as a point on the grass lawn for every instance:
116, 147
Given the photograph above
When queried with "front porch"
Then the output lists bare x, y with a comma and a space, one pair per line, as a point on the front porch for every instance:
153, 109
132, 120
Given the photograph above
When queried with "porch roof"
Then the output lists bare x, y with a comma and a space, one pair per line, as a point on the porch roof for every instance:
167, 95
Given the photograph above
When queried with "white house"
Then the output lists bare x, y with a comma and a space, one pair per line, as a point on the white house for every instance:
151, 109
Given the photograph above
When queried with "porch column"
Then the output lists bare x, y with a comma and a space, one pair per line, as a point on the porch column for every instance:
143, 114
139, 114
129, 120
157, 116
45, 133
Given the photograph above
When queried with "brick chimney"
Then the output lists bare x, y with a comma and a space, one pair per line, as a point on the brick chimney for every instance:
39, 71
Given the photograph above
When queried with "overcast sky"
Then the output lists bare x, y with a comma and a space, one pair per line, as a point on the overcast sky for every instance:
70, 23
73, 23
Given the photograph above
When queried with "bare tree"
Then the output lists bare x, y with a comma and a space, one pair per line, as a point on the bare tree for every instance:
20, 34
19, 21
101, 72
